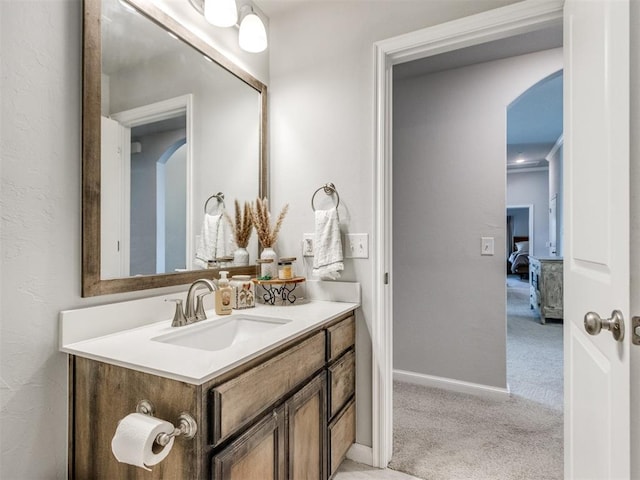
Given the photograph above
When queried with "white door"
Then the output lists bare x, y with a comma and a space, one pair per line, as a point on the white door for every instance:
114, 204
596, 237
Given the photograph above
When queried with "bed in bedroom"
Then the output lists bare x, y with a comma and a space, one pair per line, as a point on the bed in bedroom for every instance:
518, 261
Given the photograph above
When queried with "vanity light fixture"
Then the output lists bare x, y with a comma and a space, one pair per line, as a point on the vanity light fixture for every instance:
252, 36
221, 13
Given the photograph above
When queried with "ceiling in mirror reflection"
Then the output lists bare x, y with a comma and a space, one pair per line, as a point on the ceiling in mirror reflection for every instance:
125, 49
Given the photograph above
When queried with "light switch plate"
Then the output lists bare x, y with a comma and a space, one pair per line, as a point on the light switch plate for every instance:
356, 245
307, 244
487, 247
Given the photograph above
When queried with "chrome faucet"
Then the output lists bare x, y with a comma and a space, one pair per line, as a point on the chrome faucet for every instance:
192, 313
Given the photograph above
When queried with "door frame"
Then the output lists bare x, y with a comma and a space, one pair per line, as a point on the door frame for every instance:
494, 24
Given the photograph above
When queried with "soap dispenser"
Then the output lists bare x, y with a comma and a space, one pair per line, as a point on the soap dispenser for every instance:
223, 295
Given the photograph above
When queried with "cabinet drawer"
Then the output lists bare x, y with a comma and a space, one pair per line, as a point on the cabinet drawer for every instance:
237, 402
342, 382
340, 337
342, 434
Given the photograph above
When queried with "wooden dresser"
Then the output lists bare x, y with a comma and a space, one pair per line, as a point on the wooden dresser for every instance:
545, 286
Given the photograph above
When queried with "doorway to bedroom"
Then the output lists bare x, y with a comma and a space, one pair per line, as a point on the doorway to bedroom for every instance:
534, 234
449, 299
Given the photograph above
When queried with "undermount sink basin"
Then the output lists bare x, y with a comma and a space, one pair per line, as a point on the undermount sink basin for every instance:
222, 333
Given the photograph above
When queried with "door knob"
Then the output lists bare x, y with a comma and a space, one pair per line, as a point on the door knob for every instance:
593, 324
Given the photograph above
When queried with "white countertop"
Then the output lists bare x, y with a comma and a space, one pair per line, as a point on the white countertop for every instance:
135, 348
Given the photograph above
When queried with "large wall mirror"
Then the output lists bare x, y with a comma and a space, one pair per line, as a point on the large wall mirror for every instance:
173, 132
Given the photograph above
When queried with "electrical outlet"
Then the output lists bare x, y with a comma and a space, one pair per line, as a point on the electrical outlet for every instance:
357, 245
307, 244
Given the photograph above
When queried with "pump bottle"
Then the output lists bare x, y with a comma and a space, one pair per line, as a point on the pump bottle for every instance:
223, 295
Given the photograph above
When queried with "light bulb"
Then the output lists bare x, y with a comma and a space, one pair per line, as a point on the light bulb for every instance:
253, 36
221, 13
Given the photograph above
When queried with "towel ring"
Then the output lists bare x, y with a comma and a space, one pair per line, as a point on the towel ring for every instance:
218, 196
329, 189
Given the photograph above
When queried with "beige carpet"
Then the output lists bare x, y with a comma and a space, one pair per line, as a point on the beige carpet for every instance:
534, 351
442, 435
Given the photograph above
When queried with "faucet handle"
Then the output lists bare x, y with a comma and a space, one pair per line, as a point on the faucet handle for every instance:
200, 313
179, 319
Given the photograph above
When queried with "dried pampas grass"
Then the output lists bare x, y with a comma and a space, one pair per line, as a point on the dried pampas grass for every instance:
262, 221
243, 225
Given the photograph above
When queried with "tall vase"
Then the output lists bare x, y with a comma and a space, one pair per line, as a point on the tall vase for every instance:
269, 269
241, 257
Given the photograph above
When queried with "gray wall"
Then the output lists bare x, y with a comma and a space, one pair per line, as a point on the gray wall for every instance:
143, 200
532, 188
519, 225
449, 191
175, 210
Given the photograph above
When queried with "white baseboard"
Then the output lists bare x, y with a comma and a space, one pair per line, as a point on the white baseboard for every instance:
450, 384
361, 454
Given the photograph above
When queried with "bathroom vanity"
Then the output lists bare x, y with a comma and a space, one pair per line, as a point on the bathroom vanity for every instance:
279, 406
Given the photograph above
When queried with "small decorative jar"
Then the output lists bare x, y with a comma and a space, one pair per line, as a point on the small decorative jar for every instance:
265, 269
244, 294
286, 268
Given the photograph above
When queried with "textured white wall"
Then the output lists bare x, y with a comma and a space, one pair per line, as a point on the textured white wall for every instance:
449, 169
40, 201
532, 188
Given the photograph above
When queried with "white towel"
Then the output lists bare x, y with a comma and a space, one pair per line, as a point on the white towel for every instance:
327, 245
214, 240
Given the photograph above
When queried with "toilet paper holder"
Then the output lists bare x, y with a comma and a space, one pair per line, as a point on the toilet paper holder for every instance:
187, 426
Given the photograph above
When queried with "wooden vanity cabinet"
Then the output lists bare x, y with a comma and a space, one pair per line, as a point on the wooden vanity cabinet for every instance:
288, 414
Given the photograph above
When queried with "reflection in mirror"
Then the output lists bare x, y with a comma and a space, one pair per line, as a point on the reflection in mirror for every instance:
175, 127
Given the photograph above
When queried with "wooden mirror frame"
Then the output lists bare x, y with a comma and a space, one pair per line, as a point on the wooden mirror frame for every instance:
92, 283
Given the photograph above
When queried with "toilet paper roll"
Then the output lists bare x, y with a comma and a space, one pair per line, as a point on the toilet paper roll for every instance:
133, 442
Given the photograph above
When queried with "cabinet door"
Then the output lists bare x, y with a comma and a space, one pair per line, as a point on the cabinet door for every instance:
307, 427
257, 454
